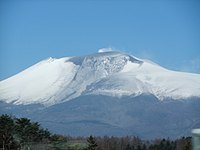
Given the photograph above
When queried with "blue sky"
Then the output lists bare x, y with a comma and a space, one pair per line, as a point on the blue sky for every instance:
165, 31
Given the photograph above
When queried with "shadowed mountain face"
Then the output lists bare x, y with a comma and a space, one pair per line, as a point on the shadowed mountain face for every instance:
142, 116
108, 93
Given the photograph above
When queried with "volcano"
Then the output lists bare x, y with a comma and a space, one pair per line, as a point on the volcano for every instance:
106, 93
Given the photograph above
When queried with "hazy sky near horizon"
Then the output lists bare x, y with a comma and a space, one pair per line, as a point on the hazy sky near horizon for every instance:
167, 31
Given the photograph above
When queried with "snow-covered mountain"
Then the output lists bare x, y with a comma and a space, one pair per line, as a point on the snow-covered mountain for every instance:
107, 93
53, 81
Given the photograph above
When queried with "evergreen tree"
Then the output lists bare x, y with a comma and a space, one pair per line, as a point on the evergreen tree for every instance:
6, 132
133, 147
23, 130
44, 135
128, 147
34, 132
144, 147
139, 147
92, 143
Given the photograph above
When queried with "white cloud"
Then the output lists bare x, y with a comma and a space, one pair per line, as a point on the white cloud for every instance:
105, 50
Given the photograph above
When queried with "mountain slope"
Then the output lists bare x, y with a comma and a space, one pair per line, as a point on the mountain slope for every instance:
144, 116
54, 81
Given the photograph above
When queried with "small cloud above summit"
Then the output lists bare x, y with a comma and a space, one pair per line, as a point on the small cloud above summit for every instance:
105, 50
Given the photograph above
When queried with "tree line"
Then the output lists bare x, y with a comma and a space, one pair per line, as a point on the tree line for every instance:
24, 134
135, 143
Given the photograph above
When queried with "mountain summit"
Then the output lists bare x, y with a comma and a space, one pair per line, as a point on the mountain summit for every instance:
109, 73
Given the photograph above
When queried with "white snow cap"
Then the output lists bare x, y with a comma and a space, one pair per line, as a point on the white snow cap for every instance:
105, 50
111, 73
